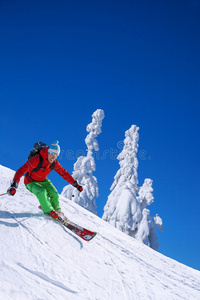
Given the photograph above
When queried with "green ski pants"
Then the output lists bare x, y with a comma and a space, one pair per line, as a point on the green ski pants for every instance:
46, 194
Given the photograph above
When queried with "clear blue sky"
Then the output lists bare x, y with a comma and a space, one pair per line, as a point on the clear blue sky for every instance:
138, 61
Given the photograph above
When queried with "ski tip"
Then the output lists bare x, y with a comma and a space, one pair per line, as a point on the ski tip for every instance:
92, 236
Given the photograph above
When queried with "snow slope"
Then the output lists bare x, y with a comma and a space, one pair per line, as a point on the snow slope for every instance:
41, 260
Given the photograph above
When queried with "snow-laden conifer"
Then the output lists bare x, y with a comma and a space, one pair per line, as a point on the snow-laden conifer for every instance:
84, 167
122, 209
126, 204
146, 230
146, 193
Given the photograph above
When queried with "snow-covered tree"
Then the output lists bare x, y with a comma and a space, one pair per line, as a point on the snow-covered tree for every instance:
122, 209
126, 204
84, 167
146, 230
146, 193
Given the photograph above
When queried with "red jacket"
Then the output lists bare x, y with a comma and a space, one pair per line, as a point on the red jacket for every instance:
43, 172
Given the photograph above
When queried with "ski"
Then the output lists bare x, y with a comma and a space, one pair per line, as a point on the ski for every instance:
82, 232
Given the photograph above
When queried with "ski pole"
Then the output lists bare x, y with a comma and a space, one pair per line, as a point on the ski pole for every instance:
4, 194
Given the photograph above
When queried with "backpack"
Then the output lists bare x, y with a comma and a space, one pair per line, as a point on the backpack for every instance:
36, 150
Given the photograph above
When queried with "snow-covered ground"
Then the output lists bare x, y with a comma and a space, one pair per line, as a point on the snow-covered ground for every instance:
41, 260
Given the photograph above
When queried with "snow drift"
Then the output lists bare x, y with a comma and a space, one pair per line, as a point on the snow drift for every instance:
41, 260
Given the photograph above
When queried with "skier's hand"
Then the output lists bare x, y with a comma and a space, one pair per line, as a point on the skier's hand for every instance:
76, 185
12, 189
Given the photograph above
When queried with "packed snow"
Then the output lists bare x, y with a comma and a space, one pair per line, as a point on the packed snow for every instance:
42, 260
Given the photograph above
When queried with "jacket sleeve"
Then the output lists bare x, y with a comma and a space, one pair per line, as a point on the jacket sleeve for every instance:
27, 167
62, 172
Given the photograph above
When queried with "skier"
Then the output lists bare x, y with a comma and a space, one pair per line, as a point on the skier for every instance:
37, 168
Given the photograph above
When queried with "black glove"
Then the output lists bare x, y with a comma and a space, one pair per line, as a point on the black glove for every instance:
76, 185
12, 189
